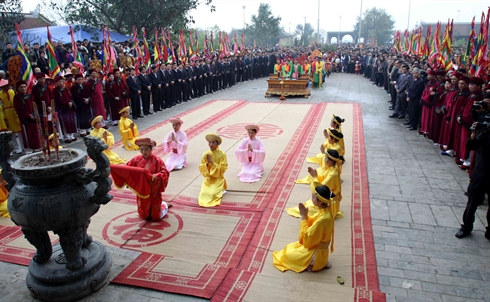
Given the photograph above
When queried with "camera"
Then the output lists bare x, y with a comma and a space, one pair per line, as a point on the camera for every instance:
483, 124
480, 105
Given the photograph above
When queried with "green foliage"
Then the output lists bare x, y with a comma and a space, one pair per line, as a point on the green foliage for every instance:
377, 27
10, 13
305, 33
460, 43
122, 15
264, 27
329, 47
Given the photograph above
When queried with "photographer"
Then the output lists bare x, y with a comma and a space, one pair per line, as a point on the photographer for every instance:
479, 141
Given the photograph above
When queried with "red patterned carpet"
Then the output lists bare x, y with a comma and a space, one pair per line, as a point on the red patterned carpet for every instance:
224, 253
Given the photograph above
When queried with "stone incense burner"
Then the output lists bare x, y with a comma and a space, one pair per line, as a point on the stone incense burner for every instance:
61, 196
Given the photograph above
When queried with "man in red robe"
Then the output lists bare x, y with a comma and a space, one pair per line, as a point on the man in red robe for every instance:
93, 90
66, 109
23, 106
427, 101
456, 109
151, 208
439, 106
41, 92
447, 112
117, 95
465, 120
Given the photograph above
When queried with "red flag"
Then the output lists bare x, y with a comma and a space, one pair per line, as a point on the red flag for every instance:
54, 68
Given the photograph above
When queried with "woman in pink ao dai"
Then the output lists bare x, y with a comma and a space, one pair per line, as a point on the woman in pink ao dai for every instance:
251, 153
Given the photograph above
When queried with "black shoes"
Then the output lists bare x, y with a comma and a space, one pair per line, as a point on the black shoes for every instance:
391, 108
462, 233
401, 117
406, 123
412, 128
393, 116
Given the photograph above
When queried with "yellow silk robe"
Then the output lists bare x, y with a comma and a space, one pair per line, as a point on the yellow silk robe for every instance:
111, 155
3, 126
3, 200
327, 176
128, 136
214, 178
315, 235
341, 142
13, 123
320, 157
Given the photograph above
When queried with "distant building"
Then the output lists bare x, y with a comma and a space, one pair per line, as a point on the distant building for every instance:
34, 20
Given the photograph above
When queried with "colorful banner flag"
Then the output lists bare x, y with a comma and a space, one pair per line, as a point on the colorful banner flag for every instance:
54, 68
77, 58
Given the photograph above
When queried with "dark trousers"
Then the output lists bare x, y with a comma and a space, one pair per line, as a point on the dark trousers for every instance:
208, 83
135, 104
145, 101
215, 83
414, 113
393, 94
476, 196
155, 96
401, 104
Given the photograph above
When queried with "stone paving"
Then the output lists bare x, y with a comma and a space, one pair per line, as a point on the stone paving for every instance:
416, 206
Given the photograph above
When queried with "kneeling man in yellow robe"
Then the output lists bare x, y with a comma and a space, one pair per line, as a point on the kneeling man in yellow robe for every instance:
316, 236
213, 167
108, 139
128, 130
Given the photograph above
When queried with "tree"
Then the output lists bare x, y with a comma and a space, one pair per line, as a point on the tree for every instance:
122, 15
377, 27
10, 13
305, 34
264, 27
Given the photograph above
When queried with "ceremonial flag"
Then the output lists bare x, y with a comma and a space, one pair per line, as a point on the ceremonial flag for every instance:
480, 62
206, 45
191, 47
112, 60
407, 43
77, 58
196, 38
243, 42
54, 68
105, 52
447, 47
470, 47
171, 47
146, 49
156, 49
165, 49
212, 42
137, 51
428, 42
235, 44
26, 73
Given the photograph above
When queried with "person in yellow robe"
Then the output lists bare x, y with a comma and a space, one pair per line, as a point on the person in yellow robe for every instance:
336, 124
332, 138
11, 119
4, 194
328, 175
128, 130
213, 167
108, 139
316, 236
317, 69
54, 142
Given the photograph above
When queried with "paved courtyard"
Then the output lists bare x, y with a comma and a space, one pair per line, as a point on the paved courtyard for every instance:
416, 206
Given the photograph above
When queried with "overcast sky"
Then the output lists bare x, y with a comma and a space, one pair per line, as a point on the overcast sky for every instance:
334, 14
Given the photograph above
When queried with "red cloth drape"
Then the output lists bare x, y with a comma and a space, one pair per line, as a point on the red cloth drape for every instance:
137, 179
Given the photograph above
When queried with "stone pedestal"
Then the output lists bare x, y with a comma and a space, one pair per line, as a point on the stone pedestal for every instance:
52, 281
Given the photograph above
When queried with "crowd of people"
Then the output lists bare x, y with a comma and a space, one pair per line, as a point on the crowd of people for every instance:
449, 107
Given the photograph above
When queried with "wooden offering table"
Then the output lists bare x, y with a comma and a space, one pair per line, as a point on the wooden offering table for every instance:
285, 87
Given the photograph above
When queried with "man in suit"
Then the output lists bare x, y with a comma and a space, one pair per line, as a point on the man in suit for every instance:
134, 93
164, 98
172, 86
145, 89
156, 88
197, 69
207, 76
177, 83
